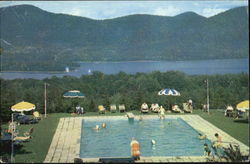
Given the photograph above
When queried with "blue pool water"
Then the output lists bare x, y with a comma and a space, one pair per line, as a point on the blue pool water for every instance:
174, 137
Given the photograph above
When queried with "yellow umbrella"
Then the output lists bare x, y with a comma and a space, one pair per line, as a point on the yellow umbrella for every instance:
243, 106
23, 106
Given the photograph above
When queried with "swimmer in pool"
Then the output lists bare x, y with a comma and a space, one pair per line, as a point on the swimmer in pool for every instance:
202, 136
104, 125
96, 128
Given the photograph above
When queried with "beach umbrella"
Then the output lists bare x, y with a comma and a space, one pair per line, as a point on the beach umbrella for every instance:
73, 94
169, 92
243, 106
23, 106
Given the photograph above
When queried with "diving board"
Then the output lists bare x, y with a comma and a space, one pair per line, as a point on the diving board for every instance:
130, 115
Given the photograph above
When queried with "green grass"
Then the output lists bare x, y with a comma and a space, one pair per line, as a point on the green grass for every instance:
238, 130
36, 149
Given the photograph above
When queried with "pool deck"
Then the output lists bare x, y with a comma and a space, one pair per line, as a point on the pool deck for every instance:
65, 146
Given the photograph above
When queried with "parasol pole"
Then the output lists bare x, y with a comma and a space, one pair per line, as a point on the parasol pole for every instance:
12, 138
45, 101
207, 98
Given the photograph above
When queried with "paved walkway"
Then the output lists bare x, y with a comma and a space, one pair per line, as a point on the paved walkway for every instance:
65, 145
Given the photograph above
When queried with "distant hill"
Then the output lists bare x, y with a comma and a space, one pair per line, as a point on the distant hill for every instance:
34, 39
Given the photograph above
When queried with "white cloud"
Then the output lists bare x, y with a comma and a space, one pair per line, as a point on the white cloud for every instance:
208, 12
167, 11
76, 12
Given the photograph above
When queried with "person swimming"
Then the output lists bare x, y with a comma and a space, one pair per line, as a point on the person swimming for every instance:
96, 128
104, 125
202, 136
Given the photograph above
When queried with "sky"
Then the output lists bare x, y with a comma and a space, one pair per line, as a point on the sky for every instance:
113, 9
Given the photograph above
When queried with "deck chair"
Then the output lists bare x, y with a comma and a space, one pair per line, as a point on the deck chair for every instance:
121, 108
187, 108
155, 108
112, 108
144, 108
101, 109
29, 132
26, 137
37, 115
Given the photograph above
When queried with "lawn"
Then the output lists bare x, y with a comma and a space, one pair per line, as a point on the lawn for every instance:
36, 149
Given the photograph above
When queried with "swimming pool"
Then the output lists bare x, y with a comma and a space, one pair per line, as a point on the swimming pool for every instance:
174, 137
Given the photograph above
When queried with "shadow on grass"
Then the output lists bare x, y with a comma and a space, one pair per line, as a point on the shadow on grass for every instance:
5, 148
244, 121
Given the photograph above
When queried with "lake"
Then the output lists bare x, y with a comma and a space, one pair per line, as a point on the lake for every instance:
198, 67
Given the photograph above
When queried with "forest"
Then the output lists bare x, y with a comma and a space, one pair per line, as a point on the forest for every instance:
122, 88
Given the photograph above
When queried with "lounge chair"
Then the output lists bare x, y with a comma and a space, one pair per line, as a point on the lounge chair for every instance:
229, 112
144, 108
26, 137
187, 108
37, 115
112, 108
121, 108
155, 108
101, 109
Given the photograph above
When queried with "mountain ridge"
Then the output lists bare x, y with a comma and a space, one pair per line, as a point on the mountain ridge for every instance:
62, 39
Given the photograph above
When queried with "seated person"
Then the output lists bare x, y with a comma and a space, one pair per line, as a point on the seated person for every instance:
218, 142
175, 108
202, 136
22, 138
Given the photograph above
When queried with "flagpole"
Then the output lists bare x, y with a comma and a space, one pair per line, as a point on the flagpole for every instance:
207, 98
45, 101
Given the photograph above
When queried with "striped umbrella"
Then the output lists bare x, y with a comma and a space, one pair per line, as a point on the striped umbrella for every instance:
169, 92
73, 94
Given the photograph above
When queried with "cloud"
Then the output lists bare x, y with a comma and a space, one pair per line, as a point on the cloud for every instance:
76, 12
208, 12
167, 11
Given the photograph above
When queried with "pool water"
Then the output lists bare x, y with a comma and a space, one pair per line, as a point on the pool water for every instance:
174, 137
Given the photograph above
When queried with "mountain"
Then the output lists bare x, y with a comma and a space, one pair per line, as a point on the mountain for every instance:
34, 39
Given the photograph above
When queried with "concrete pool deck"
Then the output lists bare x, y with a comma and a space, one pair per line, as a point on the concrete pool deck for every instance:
65, 145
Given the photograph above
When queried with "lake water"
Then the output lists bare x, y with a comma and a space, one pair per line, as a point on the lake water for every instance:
199, 67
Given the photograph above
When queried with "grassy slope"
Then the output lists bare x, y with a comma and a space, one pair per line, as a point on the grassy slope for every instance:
36, 149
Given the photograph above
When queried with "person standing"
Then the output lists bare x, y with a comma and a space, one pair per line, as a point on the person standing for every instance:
82, 110
135, 149
162, 112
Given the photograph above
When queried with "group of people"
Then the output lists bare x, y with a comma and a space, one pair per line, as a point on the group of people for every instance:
216, 144
97, 127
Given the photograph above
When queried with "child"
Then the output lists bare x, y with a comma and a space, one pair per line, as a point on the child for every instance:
207, 150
